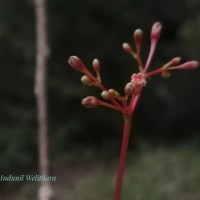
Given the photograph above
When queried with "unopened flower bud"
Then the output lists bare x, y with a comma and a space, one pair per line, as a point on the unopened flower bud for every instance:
155, 31
129, 88
138, 36
188, 65
86, 80
106, 95
96, 65
127, 48
76, 63
113, 92
90, 102
175, 61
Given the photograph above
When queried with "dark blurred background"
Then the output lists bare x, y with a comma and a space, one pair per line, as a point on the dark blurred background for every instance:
167, 114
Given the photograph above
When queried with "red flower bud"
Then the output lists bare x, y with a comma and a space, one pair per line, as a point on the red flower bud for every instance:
96, 65
90, 102
175, 61
155, 31
76, 63
186, 66
189, 65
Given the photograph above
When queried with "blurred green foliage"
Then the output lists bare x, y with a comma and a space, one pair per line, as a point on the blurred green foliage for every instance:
152, 174
168, 111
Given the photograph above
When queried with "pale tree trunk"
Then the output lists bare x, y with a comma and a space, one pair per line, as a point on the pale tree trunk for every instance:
42, 53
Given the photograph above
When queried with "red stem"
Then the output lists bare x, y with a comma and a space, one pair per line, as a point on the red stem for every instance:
157, 71
122, 160
124, 147
152, 49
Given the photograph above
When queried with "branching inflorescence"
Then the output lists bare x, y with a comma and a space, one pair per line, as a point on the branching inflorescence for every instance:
127, 102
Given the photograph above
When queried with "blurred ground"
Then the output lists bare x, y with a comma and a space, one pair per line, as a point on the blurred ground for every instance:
152, 174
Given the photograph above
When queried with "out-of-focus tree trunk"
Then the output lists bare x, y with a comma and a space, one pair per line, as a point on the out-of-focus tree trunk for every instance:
42, 53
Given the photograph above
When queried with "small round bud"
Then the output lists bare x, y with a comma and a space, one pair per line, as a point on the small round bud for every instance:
106, 95
127, 48
129, 89
90, 102
96, 65
113, 92
76, 63
175, 61
138, 34
86, 80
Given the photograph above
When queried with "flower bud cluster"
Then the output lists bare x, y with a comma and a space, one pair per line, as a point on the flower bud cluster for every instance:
126, 104
138, 80
88, 78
